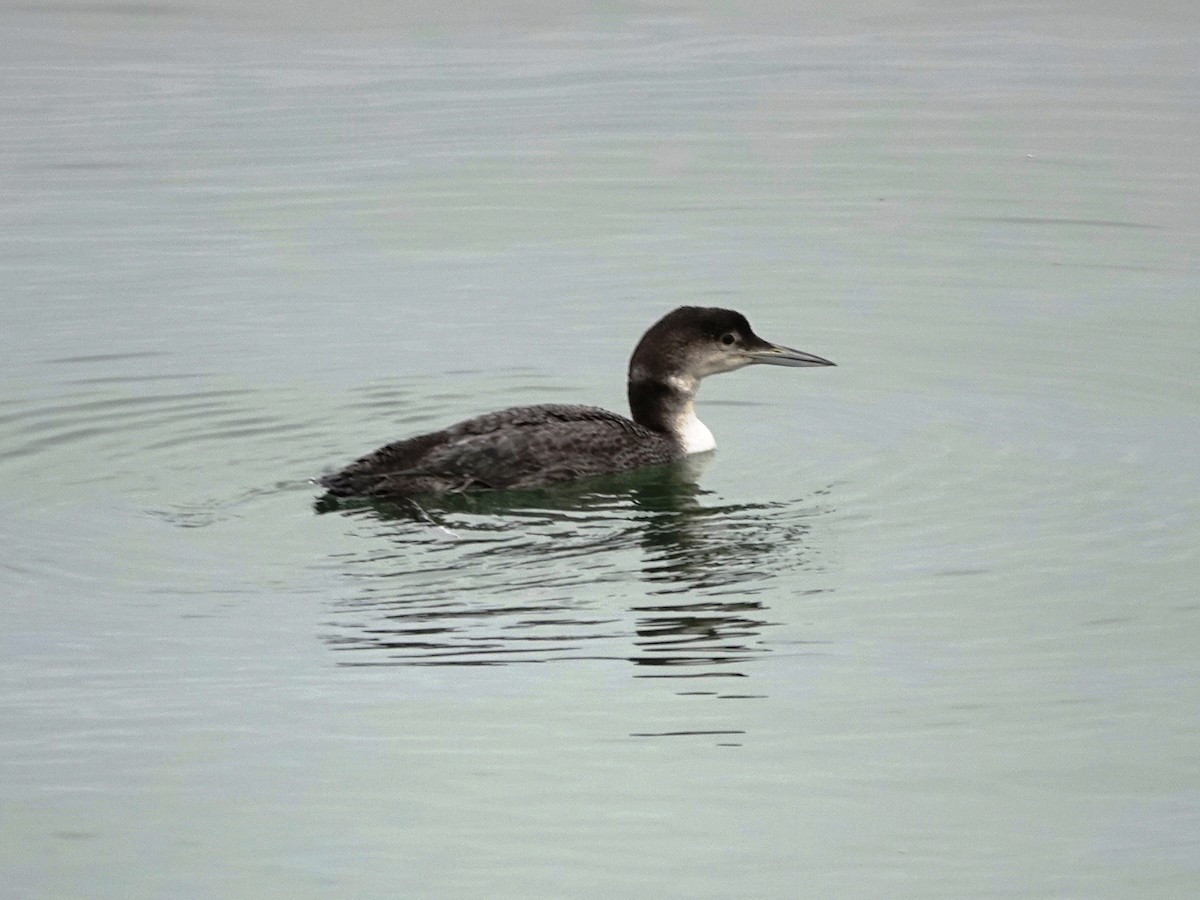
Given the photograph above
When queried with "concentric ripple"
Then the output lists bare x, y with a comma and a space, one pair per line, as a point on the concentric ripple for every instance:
548, 575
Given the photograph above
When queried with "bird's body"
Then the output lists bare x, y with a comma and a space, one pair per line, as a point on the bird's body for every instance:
530, 446
525, 446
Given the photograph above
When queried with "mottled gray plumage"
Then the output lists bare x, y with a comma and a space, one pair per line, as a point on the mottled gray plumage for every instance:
528, 446
522, 447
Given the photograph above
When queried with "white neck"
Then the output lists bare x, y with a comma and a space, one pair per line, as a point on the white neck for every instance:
672, 410
695, 434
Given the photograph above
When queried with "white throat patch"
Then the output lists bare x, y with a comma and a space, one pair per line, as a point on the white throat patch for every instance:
695, 434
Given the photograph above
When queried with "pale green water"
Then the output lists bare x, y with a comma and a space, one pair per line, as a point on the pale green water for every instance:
926, 626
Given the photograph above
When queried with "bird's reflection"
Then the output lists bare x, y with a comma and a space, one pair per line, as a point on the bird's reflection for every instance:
668, 488
645, 567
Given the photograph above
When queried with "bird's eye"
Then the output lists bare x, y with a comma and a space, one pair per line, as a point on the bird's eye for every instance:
728, 339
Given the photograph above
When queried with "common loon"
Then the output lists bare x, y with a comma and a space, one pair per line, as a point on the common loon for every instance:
529, 446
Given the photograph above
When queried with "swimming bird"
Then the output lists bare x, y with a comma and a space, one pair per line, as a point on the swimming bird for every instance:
531, 446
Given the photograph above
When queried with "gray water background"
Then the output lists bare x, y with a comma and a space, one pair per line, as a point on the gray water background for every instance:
927, 624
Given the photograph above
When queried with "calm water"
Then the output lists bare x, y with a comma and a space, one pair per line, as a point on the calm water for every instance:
925, 626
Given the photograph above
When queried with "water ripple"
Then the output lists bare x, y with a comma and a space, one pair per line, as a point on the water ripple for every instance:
532, 576
189, 449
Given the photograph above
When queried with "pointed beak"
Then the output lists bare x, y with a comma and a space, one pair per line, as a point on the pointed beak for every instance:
774, 355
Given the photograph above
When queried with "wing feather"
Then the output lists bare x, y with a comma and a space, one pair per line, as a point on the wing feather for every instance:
524, 446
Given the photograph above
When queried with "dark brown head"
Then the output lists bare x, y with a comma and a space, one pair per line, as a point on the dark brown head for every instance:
693, 342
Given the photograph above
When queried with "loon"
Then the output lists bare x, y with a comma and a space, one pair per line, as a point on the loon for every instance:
532, 446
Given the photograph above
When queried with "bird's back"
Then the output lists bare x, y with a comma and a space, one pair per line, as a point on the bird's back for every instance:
521, 447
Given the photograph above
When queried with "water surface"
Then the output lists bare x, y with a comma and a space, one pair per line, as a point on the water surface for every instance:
925, 624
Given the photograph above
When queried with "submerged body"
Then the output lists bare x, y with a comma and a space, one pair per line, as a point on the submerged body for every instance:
529, 446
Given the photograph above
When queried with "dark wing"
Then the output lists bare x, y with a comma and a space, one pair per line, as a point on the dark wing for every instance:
524, 446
